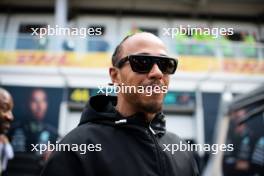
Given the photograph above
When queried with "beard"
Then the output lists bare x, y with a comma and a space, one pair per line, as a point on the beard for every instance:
144, 104
4, 127
148, 101
152, 107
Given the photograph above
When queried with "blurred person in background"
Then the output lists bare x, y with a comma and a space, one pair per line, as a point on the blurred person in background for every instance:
127, 132
34, 130
6, 117
249, 47
237, 162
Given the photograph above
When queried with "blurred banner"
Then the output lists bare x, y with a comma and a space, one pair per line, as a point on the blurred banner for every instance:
41, 58
103, 60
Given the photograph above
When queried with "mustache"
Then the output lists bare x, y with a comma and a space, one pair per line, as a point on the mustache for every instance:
153, 83
5, 125
5, 122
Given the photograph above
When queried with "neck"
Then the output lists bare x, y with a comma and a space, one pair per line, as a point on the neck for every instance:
126, 109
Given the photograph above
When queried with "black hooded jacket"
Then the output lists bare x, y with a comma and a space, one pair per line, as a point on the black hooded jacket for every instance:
119, 146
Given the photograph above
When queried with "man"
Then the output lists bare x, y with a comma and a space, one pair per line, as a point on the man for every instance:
128, 131
38, 104
33, 130
6, 117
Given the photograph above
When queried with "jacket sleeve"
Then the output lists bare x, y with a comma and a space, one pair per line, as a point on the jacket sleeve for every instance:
63, 164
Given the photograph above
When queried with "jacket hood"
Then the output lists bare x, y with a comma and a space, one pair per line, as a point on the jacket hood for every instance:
101, 109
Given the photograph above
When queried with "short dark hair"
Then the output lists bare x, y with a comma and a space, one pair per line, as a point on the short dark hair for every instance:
117, 53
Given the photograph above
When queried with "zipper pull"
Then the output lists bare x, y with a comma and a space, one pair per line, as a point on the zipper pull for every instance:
152, 131
122, 121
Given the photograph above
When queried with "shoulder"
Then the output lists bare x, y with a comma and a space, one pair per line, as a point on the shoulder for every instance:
51, 129
172, 137
85, 133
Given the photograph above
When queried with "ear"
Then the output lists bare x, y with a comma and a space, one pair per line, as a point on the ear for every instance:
115, 75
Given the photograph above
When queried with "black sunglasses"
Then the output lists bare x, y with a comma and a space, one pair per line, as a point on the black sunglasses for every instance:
144, 63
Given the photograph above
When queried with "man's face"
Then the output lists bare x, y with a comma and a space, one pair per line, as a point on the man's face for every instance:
38, 104
146, 44
6, 115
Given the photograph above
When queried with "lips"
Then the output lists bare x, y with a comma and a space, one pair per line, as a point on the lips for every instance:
153, 84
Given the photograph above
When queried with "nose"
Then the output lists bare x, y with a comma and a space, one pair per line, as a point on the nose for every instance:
155, 72
9, 116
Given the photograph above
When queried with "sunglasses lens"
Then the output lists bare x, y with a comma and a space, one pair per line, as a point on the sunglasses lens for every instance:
167, 66
141, 64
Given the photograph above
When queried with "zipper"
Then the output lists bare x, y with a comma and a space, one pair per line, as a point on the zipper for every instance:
152, 134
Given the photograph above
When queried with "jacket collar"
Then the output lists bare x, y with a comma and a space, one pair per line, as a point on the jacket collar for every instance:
157, 125
101, 109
